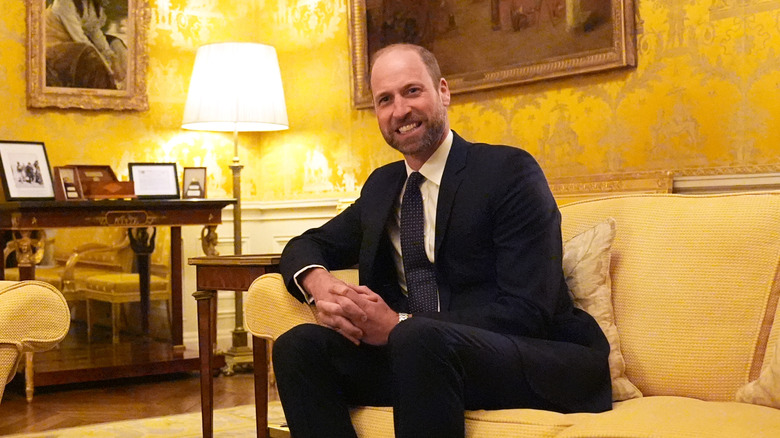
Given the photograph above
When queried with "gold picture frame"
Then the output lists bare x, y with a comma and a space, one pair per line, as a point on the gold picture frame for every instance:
113, 76
486, 44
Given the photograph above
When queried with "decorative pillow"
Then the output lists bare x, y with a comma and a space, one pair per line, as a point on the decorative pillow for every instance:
765, 390
586, 259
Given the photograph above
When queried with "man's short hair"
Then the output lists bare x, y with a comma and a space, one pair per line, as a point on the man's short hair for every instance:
431, 64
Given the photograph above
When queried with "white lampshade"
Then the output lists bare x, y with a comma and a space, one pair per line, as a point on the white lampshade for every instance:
235, 87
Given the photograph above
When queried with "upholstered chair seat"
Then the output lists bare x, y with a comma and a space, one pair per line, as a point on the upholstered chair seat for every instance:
119, 288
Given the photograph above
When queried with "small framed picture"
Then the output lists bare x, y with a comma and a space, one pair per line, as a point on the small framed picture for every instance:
25, 171
67, 184
194, 182
155, 180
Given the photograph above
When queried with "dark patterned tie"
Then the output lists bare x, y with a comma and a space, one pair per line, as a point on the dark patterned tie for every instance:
420, 275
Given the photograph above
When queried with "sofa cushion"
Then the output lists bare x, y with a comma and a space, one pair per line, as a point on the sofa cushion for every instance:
678, 417
586, 260
377, 422
766, 389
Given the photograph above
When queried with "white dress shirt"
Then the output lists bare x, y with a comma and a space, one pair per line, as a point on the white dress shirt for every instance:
432, 170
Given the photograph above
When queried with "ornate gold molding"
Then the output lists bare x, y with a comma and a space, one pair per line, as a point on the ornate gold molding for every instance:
571, 188
711, 179
729, 170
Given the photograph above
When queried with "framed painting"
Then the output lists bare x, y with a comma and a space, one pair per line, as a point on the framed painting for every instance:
88, 54
25, 171
482, 44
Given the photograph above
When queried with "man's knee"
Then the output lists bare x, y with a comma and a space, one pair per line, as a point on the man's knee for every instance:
293, 345
417, 334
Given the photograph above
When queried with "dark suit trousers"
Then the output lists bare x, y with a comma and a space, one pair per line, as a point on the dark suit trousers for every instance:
430, 372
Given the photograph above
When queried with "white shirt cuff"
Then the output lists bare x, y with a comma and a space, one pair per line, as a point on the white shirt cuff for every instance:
309, 298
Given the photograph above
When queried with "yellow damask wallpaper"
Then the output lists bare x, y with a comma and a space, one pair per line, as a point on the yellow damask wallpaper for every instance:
705, 94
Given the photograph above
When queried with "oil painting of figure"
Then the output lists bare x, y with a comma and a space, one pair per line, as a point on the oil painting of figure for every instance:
86, 43
486, 35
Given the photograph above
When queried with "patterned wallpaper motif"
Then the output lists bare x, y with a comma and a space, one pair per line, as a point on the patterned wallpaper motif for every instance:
705, 94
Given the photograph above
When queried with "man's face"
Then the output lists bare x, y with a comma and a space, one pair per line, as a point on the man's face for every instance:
410, 107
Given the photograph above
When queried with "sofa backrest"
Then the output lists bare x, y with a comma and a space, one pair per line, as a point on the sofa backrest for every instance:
695, 287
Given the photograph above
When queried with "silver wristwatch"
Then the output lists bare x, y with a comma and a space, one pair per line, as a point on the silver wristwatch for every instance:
403, 317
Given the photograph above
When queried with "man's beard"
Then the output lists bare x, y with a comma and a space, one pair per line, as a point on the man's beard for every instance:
434, 131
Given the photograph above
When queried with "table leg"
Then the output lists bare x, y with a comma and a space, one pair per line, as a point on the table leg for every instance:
260, 353
177, 335
206, 322
143, 245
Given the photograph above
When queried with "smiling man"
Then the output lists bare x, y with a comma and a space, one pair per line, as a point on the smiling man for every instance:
462, 303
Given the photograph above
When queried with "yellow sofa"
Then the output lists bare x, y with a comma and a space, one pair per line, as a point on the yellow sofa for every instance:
686, 289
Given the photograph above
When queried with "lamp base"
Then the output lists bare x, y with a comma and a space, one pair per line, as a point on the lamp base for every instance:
238, 359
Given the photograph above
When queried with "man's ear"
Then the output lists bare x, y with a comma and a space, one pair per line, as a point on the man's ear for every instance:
444, 91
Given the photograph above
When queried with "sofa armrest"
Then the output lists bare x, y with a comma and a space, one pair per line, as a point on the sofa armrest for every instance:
270, 310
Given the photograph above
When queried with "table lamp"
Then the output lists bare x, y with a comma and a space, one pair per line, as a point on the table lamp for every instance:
236, 87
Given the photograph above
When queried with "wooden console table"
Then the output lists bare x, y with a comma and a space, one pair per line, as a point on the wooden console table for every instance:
232, 273
138, 215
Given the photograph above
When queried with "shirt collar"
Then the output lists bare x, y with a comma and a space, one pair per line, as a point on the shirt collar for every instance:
433, 168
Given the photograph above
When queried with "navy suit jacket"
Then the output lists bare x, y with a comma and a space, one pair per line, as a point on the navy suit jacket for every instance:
497, 259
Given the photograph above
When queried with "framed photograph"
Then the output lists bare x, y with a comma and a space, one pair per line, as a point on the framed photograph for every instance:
155, 180
67, 185
25, 171
482, 44
194, 182
83, 66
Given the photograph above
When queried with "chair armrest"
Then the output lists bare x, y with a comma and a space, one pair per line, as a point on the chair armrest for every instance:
34, 316
269, 310
88, 249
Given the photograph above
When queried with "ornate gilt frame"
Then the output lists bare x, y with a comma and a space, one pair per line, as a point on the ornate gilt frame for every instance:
133, 97
622, 53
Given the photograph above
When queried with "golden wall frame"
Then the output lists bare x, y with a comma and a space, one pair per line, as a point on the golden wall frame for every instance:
512, 60
131, 95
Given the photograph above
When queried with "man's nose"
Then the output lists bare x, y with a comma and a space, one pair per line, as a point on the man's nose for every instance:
400, 108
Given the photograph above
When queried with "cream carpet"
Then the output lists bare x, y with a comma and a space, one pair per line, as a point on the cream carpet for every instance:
236, 422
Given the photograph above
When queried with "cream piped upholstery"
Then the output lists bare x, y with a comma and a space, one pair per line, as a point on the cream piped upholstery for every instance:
34, 316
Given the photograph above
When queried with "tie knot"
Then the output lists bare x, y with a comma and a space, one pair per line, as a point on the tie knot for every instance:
415, 179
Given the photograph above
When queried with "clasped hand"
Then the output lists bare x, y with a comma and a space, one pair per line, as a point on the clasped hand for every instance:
356, 312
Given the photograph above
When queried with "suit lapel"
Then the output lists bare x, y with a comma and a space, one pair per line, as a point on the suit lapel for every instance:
450, 182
